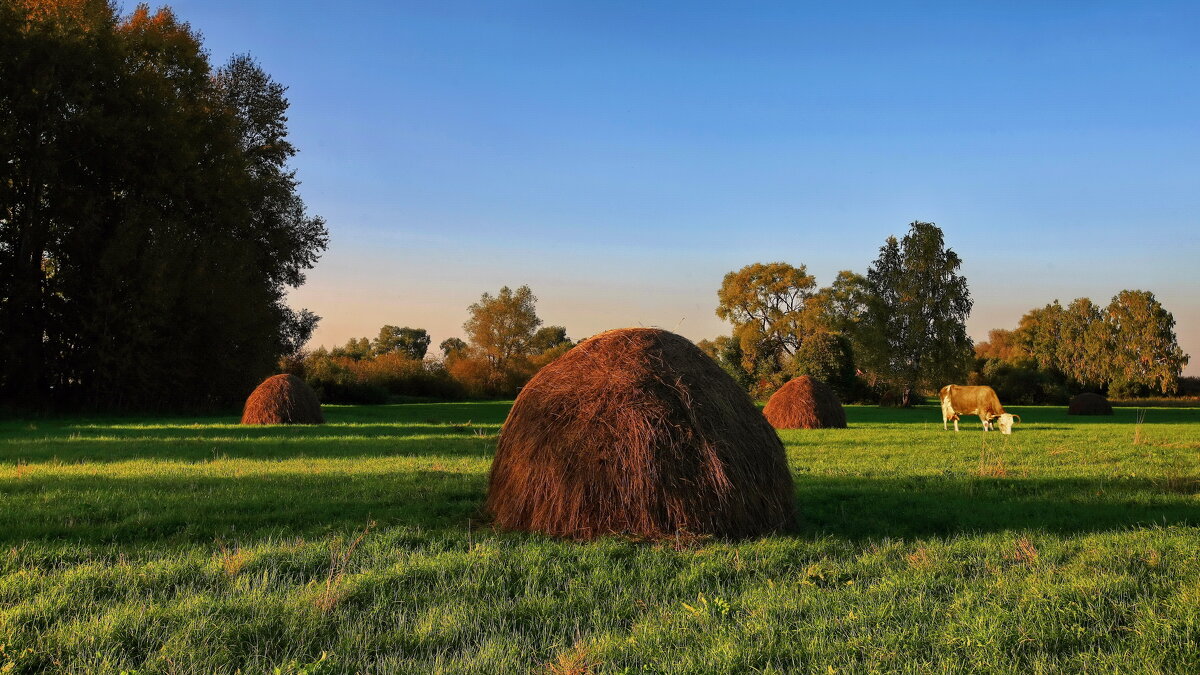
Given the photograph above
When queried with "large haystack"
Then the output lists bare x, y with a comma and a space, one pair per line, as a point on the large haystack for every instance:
283, 399
636, 431
805, 403
1089, 404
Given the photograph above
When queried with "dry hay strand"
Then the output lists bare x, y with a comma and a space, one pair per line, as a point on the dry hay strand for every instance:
636, 432
283, 399
805, 403
1089, 404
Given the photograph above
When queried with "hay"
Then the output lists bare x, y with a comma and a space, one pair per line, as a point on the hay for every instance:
1089, 404
283, 399
635, 431
805, 403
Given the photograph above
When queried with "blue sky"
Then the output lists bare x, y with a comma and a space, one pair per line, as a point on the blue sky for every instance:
620, 158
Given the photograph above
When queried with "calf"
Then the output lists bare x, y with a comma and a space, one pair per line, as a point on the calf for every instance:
959, 400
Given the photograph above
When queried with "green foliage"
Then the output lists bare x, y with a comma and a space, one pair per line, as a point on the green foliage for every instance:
912, 334
452, 346
149, 225
1129, 347
410, 343
727, 352
195, 545
547, 338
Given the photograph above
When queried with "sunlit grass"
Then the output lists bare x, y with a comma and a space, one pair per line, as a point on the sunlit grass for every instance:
197, 545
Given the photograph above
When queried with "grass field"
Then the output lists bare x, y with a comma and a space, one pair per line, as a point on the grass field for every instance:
199, 546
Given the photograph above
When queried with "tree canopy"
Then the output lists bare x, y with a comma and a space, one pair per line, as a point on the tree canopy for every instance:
410, 343
149, 225
912, 332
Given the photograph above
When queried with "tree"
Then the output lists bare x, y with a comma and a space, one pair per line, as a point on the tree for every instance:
501, 327
547, 338
145, 245
1145, 350
999, 345
765, 304
912, 333
452, 346
411, 343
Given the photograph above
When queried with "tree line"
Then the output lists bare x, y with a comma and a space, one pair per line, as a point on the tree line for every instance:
149, 223
506, 345
898, 332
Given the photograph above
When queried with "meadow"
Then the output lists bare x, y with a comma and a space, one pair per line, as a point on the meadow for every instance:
194, 545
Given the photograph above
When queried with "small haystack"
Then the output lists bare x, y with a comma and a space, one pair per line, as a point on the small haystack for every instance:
1089, 404
283, 399
636, 431
805, 403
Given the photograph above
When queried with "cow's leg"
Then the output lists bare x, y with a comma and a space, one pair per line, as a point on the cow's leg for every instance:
956, 424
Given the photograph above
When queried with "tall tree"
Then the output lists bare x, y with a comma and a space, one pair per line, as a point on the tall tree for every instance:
145, 250
912, 332
411, 343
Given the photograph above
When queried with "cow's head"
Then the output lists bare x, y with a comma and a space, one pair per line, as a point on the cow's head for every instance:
1006, 422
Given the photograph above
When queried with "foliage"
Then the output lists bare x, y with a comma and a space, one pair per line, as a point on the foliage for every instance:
452, 346
501, 333
149, 225
912, 333
193, 545
342, 379
549, 337
727, 352
766, 304
411, 343
1128, 347
355, 348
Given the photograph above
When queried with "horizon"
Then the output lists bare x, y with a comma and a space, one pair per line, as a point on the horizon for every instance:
620, 159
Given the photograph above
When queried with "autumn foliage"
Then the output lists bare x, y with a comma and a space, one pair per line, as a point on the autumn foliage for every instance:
636, 431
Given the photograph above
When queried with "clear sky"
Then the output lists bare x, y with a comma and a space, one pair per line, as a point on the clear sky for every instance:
620, 158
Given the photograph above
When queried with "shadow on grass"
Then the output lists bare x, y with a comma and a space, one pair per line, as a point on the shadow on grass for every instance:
198, 509
397, 441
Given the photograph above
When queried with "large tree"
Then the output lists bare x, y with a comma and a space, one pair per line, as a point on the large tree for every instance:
912, 333
766, 303
1144, 344
149, 228
502, 326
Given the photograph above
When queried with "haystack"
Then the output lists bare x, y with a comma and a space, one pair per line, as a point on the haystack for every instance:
636, 431
283, 399
1089, 404
805, 403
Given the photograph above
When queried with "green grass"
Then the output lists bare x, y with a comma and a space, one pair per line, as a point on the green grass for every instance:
198, 546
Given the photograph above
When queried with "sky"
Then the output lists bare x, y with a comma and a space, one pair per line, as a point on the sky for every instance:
621, 157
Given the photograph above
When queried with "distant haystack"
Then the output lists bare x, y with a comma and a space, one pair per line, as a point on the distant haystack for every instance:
636, 431
1089, 404
283, 399
805, 403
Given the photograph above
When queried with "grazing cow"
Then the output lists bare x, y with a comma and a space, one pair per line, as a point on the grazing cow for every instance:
959, 400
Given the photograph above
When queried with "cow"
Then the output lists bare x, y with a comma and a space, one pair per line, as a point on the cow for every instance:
959, 400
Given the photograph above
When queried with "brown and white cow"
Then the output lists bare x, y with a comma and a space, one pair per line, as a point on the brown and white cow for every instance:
959, 400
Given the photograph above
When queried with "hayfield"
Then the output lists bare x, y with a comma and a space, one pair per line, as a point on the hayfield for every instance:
194, 545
